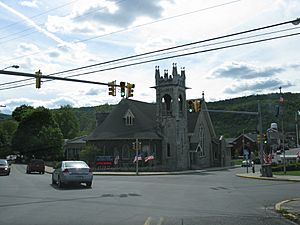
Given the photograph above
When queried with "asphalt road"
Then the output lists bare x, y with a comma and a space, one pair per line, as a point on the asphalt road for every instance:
217, 197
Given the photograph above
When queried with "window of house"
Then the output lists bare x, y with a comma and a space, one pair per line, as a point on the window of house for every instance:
201, 141
129, 118
168, 150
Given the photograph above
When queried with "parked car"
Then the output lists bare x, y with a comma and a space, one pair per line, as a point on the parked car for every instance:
4, 167
67, 172
36, 165
246, 163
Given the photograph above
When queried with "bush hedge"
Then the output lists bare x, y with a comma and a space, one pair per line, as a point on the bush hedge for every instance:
289, 167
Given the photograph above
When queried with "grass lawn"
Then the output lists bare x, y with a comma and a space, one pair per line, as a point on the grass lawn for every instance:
237, 161
290, 173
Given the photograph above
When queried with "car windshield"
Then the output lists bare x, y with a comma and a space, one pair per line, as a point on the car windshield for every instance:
76, 164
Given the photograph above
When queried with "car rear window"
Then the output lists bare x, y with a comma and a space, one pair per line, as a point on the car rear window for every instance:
76, 164
37, 161
3, 162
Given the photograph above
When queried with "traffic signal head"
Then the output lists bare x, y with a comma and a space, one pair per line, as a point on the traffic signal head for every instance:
122, 85
130, 89
190, 106
112, 88
197, 105
38, 79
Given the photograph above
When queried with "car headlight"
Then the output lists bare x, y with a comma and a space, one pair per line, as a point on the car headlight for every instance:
6, 168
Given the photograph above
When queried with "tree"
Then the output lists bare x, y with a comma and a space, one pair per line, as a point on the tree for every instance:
67, 122
38, 135
7, 130
21, 112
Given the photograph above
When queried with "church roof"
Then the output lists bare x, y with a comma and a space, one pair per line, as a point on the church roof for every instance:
114, 126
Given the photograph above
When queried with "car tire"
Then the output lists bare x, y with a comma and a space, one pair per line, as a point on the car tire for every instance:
53, 181
59, 183
88, 184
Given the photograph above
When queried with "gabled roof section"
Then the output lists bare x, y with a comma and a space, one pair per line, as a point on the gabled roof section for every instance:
129, 113
114, 126
193, 117
77, 140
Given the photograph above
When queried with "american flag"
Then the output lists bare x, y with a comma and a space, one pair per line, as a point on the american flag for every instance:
137, 158
150, 157
281, 100
267, 158
116, 161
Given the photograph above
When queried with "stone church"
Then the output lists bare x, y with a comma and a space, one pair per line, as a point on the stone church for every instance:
177, 139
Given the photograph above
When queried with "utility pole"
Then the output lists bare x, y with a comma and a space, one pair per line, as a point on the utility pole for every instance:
282, 130
297, 131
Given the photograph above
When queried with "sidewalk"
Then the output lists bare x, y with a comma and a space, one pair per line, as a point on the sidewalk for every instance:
290, 209
257, 175
105, 173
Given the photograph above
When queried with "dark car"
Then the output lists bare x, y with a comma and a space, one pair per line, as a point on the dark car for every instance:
36, 165
4, 167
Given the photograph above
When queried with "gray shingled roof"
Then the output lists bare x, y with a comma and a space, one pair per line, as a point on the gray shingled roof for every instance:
114, 126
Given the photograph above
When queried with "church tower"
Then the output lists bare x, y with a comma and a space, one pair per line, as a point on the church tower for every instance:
171, 115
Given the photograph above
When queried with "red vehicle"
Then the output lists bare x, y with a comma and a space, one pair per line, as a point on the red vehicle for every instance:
36, 165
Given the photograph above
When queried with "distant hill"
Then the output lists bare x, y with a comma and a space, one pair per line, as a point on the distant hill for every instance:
227, 124
231, 125
4, 116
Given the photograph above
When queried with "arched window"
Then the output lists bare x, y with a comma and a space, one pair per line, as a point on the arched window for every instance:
167, 104
180, 103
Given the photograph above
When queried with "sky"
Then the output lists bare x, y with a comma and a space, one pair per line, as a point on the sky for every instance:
55, 36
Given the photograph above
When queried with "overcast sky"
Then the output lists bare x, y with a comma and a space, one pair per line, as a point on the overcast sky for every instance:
58, 35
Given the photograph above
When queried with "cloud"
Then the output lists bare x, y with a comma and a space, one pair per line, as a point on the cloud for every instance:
31, 4
241, 70
101, 16
94, 91
258, 86
30, 22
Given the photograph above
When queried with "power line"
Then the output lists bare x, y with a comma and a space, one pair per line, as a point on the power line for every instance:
134, 27
41, 24
207, 45
168, 57
37, 15
178, 46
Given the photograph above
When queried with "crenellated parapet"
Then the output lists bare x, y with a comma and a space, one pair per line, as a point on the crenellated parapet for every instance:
170, 79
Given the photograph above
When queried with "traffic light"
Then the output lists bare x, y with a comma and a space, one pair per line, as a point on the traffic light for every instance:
197, 105
38, 79
122, 85
112, 88
130, 89
265, 139
190, 106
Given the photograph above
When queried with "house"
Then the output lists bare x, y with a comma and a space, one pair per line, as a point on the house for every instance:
177, 139
72, 147
247, 142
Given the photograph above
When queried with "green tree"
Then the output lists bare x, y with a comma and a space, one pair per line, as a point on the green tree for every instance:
21, 112
89, 154
67, 122
38, 135
7, 130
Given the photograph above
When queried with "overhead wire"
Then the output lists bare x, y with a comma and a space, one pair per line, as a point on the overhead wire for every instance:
180, 55
131, 28
220, 37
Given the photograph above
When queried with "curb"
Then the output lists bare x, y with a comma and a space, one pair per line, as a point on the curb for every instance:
284, 212
47, 170
267, 178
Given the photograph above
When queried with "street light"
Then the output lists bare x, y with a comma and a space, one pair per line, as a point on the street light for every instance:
13, 66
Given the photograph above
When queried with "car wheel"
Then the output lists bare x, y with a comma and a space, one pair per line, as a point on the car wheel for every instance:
53, 181
59, 183
43, 172
88, 184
